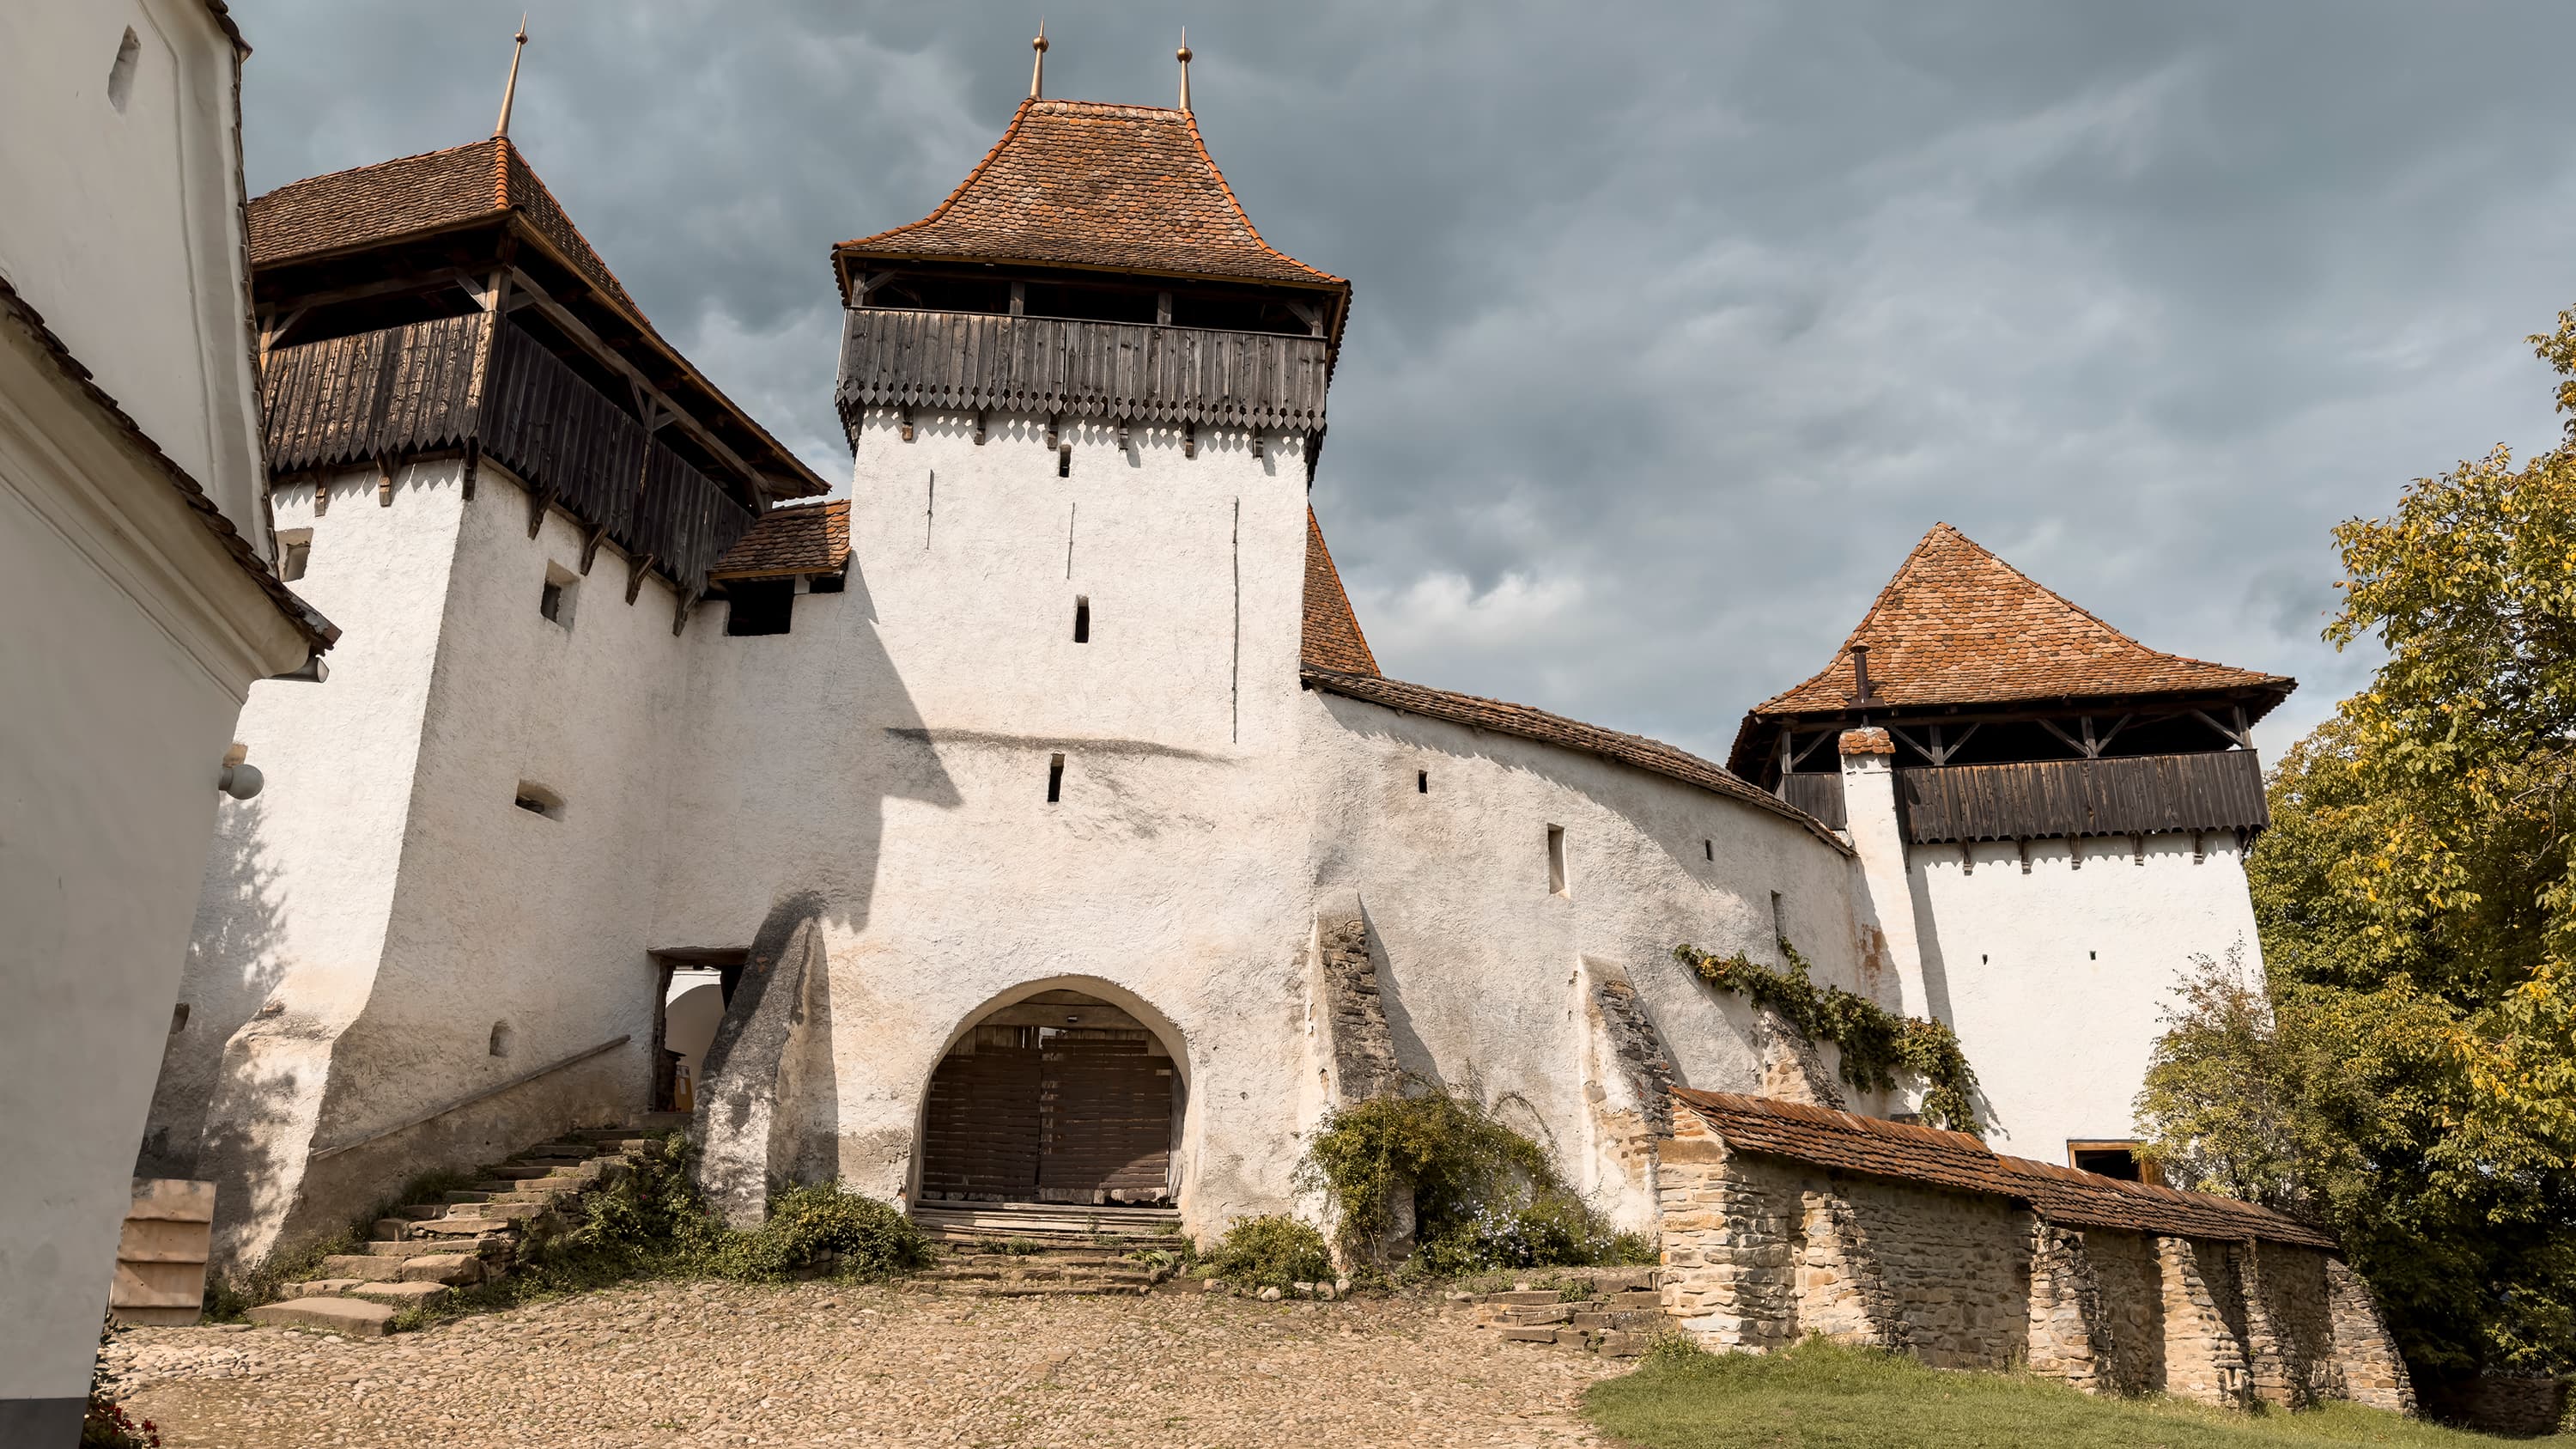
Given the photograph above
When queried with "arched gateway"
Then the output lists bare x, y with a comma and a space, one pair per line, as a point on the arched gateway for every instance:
1059, 1097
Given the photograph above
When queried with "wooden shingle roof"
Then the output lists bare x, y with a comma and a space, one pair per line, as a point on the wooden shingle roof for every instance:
1093, 185
414, 196
1332, 632
806, 538
1954, 1160
1959, 626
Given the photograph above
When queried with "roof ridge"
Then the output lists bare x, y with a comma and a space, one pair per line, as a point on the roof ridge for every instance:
1191, 119
372, 165
1018, 115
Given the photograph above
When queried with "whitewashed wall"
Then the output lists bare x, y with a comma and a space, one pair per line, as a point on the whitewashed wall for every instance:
1480, 959
889, 757
2057, 980
123, 224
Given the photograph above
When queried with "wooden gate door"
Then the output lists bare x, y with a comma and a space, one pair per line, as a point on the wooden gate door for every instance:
980, 1134
1107, 1119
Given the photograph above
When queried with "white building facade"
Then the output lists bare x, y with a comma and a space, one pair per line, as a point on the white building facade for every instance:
135, 569
1041, 808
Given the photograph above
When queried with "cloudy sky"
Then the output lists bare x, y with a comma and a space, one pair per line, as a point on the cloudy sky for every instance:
1675, 326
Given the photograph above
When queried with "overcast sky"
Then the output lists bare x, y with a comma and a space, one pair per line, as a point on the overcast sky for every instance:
1674, 326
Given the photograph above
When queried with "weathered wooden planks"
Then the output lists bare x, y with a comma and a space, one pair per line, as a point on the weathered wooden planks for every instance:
404, 391
975, 361
2142, 795
1818, 795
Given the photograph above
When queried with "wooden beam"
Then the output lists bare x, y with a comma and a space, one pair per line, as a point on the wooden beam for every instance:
2238, 736
591, 342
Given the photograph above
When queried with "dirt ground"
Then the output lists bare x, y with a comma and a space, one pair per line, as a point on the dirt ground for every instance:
830, 1364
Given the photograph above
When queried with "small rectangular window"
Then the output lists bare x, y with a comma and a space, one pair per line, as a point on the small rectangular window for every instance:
1556, 861
294, 553
1055, 779
536, 799
2112, 1159
1779, 918
759, 606
1708, 848
1082, 619
827, 583
555, 601
1422, 782
1064, 460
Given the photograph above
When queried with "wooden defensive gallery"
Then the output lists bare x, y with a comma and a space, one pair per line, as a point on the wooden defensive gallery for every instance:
1030, 834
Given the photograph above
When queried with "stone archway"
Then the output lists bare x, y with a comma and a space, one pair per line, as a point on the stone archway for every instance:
1057, 1097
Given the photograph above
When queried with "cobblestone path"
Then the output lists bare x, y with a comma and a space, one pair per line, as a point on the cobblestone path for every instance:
825, 1364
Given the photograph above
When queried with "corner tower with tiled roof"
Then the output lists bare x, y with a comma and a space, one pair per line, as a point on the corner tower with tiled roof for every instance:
2050, 817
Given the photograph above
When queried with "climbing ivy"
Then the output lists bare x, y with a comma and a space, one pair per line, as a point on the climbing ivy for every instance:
1877, 1044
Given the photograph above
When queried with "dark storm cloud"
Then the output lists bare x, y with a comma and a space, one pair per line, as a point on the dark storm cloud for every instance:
1675, 326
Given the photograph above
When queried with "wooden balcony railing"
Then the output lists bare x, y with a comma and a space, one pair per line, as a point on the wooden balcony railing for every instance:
2140, 795
980, 361
407, 391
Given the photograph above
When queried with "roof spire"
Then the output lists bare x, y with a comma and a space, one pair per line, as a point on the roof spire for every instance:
1037, 68
1184, 54
501, 127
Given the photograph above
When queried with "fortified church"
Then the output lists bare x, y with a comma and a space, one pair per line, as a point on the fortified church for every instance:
1034, 831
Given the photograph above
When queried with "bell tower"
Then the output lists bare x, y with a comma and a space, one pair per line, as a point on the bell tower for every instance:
1085, 400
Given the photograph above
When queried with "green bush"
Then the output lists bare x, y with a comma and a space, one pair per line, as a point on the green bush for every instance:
865, 1237
1272, 1251
1484, 1196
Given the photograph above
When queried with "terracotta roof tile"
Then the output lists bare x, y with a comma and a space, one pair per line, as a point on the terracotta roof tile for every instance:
809, 538
1961, 1163
317, 631
414, 195
1085, 184
1958, 625
1333, 640
1521, 721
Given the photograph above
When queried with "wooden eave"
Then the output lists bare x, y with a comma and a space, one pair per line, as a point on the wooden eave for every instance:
778, 472
1751, 755
1338, 291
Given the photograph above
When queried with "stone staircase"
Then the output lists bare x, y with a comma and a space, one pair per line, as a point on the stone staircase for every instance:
1019, 1250
424, 1251
1615, 1312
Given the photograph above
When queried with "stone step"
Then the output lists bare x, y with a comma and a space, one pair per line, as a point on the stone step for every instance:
506, 1173
415, 1247
458, 1270
1632, 1319
1520, 1296
354, 1317
464, 1195
322, 1287
420, 1210
391, 1229
406, 1293
362, 1265
451, 1228
1512, 1334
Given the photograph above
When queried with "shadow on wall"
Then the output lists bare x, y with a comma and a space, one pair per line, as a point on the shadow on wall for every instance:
240, 919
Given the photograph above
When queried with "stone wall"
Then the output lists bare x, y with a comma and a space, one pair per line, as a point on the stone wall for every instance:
1760, 1251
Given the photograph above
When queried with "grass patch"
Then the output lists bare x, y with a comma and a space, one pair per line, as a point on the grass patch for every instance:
1271, 1251
1817, 1395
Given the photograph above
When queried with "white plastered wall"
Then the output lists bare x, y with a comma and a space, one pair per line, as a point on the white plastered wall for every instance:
884, 766
123, 225
1481, 961
2057, 980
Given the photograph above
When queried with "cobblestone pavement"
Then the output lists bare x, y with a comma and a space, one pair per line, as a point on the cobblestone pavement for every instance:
672, 1364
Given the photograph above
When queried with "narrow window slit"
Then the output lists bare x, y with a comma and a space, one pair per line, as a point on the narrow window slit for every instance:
1082, 619
1055, 779
1422, 782
1064, 460
1556, 860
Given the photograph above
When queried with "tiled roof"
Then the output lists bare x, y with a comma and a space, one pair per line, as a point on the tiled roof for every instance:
809, 538
319, 633
414, 195
1085, 184
1521, 721
1958, 625
1333, 640
1961, 1163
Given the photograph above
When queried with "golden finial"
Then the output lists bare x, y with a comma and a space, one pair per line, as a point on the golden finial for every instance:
1037, 68
1184, 53
510, 92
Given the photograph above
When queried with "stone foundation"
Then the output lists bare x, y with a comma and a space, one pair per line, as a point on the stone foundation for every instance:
1760, 1251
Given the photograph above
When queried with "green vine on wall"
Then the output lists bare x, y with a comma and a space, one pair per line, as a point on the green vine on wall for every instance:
1877, 1044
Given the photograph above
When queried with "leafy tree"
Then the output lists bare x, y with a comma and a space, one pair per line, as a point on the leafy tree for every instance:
2408, 1076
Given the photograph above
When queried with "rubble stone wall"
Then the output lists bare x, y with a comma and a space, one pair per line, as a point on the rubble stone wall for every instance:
1761, 1251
